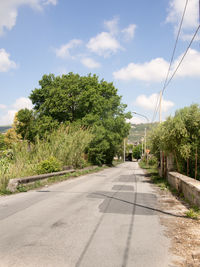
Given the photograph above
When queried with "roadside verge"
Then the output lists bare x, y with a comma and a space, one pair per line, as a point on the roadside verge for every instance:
181, 223
27, 183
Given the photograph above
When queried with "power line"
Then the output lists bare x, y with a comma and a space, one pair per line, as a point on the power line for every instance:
175, 45
156, 108
171, 60
174, 73
186, 51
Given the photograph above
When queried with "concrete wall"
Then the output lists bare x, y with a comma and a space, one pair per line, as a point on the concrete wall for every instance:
183, 184
186, 185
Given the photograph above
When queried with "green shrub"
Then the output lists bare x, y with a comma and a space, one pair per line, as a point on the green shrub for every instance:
4, 167
67, 145
49, 165
152, 161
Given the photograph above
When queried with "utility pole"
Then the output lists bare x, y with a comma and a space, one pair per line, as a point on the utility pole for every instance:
142, 145
145, 132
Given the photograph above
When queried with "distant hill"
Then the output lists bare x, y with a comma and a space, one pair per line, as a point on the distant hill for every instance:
3, 129
137, 131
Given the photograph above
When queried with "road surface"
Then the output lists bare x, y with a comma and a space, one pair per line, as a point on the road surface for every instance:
106, 219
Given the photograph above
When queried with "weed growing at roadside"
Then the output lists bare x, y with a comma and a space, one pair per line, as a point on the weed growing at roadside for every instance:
193, 213
63, 147
156, 179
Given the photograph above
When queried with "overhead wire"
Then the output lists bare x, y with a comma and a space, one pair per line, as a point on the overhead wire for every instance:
156, 107
175, 45
171, 60
186, 51
175, 71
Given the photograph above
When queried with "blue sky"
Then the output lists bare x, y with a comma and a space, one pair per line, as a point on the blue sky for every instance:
126, 42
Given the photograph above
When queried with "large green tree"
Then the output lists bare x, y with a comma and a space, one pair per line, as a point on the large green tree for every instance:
82, 100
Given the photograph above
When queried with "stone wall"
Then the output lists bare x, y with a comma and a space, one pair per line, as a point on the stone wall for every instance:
183, 184
186, 185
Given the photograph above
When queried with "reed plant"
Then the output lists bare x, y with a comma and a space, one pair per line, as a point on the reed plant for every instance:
66, 144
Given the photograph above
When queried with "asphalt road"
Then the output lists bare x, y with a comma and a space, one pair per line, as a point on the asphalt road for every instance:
107, 219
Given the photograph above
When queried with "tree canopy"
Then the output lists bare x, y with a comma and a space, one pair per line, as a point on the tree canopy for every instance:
180, 136
83, 100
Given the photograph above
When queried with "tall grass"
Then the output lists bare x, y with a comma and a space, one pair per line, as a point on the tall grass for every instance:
67, 145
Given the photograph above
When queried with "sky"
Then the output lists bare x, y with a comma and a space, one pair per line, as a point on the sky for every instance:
127, 42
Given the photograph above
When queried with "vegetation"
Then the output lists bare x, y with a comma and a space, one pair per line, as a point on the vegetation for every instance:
180, 137
153, 172
162, 183
193, 213
152, 161
2, 142
49, 165
52, 180
75, 121
137, 151
85, 101
137, 131
62, 147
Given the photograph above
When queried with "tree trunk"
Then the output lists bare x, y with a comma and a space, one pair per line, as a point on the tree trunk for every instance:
176, 161
196, 157
187, 167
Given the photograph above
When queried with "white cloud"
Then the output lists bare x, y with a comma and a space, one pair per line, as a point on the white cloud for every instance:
9, 10
129, 32
189, 36
104, 44
2, 106
8, 116
113, 28
136, 120
90, 63
112, 25
51, 2
64, 50
7, 119
149, 102
191, 17
155, 70
22, 102
190, 67
5, 63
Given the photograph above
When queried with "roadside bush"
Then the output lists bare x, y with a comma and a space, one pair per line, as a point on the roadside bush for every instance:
4, 168
65, 146
152, 161
49, 165
180, 137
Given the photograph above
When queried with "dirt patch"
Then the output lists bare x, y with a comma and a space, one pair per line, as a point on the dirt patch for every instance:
183, 232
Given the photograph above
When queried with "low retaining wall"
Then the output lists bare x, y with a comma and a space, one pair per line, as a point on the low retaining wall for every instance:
186, 185
14, 183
